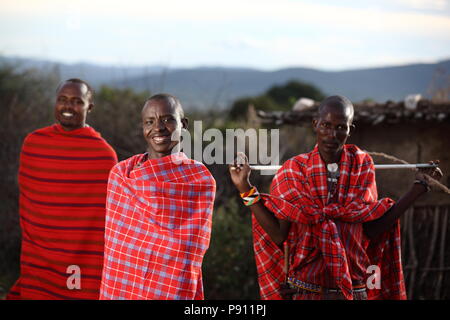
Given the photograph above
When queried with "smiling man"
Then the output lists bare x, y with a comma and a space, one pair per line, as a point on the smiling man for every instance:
63, 176
162, 120
74, 100
323, 206
159, 209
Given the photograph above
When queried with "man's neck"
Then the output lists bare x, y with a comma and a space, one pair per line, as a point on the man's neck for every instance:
65, 128
156, 155
331, 158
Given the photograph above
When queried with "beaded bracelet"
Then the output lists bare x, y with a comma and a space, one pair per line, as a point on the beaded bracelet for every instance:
252, 201
249, 192
250, 197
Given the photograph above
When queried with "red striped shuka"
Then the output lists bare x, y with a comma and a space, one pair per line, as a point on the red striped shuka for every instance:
63, 177
158, 228
327, 244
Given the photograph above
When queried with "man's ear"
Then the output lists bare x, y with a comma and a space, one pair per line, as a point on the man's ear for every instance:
352, 129
185, 123
314, 124
90, 107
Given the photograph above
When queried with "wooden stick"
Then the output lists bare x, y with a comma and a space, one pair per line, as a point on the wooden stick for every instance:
437, 292
412, 252
286, 261
430, 251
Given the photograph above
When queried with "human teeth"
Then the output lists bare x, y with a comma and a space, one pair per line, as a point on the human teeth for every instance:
67, 114
159, 139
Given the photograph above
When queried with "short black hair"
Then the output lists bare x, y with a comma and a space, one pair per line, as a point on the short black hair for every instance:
336, 101
90, 91
169, 99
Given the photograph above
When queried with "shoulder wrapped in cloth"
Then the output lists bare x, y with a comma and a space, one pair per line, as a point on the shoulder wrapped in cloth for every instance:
299, 194
63, 177
158, 227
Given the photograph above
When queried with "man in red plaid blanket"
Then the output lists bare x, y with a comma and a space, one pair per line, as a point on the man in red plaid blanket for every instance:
158, 214
323, 207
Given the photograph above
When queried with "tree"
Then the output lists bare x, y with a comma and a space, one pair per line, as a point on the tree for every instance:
240, 107
286, 95
117, 115
278, 97
26, 98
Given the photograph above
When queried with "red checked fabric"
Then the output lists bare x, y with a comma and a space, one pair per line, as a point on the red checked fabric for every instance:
158, 227
299, 194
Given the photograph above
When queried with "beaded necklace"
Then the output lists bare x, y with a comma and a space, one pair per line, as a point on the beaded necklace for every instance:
332, 179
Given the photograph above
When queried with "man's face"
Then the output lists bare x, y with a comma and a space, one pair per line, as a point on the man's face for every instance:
72, 106
160, 122
333, 129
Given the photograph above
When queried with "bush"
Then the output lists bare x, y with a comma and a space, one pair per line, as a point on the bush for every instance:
280, 98
25, 99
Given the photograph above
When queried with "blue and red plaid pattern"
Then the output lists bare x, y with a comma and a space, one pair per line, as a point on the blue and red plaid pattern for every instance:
299, 194
158, 227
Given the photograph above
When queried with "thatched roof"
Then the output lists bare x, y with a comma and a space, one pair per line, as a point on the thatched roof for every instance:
370, 113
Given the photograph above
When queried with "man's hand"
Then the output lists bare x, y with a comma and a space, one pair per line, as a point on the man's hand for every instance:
424, 174
240, 173
277, 229
376, 227
287, 292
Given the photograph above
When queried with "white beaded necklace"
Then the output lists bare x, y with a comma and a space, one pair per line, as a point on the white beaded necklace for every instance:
332, 178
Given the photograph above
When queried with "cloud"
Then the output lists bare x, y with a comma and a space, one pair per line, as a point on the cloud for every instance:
280, 12
424, 4
259, 33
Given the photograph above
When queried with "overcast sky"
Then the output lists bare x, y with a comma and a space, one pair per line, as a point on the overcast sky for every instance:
268, 35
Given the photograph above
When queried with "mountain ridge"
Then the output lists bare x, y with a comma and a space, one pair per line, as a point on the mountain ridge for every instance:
206, 87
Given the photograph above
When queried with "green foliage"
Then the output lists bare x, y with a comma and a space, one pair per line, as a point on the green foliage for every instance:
117, 115
278, 97
229, 270
240, 107
25, 100
289, 93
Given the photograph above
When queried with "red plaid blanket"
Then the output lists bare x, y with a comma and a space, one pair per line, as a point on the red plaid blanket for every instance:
299, 194
158, 227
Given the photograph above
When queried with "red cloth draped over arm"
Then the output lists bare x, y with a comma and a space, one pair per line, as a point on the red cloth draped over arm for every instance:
62, 180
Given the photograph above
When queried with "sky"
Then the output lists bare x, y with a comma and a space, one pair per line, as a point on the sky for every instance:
260, 34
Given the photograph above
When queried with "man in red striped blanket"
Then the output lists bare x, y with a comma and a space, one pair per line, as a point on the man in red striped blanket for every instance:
344, 242
63, 176
159, 209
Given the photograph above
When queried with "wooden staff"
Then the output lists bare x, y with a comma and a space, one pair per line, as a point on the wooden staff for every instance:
286, 261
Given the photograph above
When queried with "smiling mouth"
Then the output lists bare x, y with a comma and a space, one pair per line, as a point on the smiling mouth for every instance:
161, 139
67, 114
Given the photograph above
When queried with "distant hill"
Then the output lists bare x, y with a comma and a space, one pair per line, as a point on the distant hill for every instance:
208, 87
95, 74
